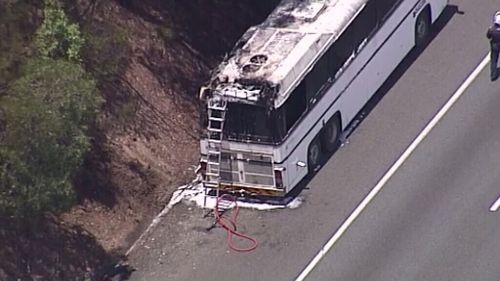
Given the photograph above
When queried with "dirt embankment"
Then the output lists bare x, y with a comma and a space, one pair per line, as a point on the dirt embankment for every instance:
146, 143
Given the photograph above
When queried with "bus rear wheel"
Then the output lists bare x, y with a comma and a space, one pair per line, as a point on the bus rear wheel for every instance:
330, 135
314, 155
423, 28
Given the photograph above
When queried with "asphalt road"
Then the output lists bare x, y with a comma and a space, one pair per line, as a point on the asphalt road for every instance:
430, 222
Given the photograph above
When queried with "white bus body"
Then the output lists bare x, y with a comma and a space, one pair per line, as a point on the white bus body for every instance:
276, 167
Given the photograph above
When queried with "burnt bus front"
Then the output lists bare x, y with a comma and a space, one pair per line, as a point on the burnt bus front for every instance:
247, 151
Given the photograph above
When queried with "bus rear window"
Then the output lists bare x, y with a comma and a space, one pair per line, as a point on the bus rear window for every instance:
246, 122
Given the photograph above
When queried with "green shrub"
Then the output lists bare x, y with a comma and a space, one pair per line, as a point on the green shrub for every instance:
46, 116
105, 50
57, 37
16, 33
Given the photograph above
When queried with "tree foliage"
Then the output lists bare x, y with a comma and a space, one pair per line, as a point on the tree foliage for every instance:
46, 115
16, 31
57, 37
105, 51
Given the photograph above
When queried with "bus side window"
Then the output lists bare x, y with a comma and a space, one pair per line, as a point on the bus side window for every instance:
278, 122
363, 25
316, 78
384, 8
295, 106
334, 62
355, 34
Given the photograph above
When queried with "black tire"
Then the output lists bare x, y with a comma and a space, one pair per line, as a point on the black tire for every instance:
422, 28
330, 135
314, 155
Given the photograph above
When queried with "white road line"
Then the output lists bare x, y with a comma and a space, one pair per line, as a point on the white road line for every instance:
495, 205
312, 264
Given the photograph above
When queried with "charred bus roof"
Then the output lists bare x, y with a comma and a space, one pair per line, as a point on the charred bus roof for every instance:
270, 59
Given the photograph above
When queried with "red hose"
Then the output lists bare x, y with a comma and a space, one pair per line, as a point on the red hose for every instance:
229, 223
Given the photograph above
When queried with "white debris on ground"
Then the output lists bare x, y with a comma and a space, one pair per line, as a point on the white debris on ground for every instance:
195, 193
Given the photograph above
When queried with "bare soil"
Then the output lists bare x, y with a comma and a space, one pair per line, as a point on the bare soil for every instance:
146, 141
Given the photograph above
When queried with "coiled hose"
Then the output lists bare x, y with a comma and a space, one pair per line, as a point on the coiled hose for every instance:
229, 223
